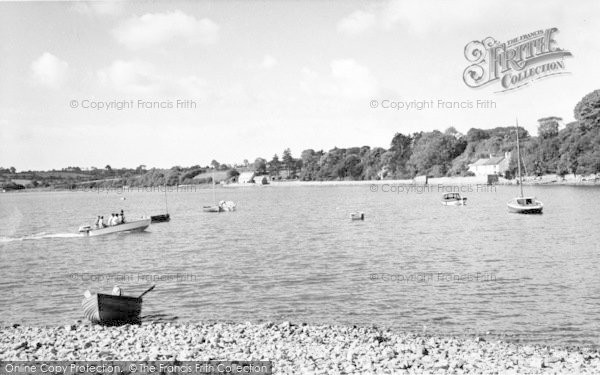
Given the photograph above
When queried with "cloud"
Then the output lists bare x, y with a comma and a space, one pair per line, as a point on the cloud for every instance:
141, 78
347, 79
268, 62
417, 17
356, 23
352, 79
154, 29
50, 71
133, 77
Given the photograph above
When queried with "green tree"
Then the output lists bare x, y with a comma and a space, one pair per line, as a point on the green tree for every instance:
288, 160
274, 166
548, 126
260, 166
587, 111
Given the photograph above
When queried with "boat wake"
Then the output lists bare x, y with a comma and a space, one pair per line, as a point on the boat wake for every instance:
40, 236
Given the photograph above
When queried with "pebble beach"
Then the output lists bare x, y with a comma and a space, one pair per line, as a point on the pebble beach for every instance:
293, 348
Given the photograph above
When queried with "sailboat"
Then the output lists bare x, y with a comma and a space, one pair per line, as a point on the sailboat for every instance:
163, 217
215, 207
522, 204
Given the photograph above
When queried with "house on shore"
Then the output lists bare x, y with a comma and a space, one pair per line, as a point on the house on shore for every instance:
246, 178
494, 165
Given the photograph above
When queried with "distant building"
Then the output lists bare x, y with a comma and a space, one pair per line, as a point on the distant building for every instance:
246, 178
497, 165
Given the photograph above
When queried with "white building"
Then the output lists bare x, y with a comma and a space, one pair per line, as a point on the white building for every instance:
246, 178
497, 165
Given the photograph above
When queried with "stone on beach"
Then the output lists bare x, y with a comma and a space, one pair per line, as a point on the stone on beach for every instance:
293, 348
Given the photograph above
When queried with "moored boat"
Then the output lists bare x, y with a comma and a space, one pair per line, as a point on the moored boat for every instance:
212, 209
160, 218
525, 205
522, 204
108, 309
129, 226
222, 206
453, 199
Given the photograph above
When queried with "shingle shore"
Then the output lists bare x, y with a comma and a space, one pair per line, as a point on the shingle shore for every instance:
293, 349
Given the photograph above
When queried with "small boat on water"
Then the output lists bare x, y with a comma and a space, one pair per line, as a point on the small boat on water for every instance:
160, 218
357, 216
522, 204
212, 209
111, 309
129, 226
453, 199
223, 206
525, 205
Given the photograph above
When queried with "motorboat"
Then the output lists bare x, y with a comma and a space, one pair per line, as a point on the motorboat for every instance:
453, 199
129, 226
357, 216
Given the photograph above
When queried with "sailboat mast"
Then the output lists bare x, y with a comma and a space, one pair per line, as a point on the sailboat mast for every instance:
166, 205
213, 181
519, 160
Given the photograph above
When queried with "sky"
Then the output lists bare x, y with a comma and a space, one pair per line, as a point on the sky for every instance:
234, 80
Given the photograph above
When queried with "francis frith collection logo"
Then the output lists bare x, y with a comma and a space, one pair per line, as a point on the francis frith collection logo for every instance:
516, 62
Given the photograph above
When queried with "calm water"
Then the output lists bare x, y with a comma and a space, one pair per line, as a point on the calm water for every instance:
291, 253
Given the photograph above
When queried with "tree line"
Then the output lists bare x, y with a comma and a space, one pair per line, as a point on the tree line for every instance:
572, 148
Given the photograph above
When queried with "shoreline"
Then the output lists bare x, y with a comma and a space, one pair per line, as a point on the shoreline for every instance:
293, 348
545, 180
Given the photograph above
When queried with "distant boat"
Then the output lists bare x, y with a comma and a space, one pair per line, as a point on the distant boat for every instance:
525, 205
163, 217
107, 309
222, 206
521, 204
160, 218
212, 209
453, 199
357, 216
130, 226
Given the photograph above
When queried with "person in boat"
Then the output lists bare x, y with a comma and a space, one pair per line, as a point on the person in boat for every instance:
98, 222
122, 217
101, 223
112, 220
117, 219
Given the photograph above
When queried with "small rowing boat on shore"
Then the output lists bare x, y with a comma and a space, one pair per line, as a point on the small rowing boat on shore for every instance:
108, 309
453, 199
130, 226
